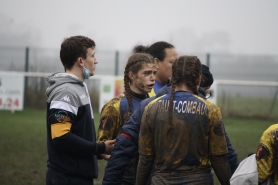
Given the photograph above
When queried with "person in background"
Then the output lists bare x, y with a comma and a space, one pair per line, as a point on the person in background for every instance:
182, 135
204, 92
260, 167
71, 140
267, 155
164, 55
207, 81
139, 79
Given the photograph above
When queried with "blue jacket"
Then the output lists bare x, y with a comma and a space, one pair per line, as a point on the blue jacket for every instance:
232, 155
127, 144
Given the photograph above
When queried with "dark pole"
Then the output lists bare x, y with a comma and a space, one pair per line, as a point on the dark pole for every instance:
26, 78
208, 59
117, 63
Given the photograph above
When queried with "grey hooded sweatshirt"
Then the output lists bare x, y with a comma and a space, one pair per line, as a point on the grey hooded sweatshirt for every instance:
71, 139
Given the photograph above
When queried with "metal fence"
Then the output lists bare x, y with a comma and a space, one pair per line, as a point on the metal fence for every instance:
234, 100
48, 60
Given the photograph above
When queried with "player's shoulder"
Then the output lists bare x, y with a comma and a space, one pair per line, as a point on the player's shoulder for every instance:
272, 129
69, 93
113, 103
154, 101
210, 105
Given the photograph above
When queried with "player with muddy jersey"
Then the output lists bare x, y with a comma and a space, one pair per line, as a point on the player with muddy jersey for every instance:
267, 155
139, 76
182, 135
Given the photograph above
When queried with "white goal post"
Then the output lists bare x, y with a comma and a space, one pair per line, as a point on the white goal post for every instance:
216, 83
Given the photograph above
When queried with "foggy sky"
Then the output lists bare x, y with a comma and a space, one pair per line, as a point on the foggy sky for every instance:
237, 27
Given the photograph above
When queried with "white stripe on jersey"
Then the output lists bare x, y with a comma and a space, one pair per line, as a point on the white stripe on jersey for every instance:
64, 106
89, 99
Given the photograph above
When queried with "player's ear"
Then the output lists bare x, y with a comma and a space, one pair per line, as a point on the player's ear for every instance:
131, 75
157, 62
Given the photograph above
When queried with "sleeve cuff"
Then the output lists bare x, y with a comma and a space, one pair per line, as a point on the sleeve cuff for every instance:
100, 148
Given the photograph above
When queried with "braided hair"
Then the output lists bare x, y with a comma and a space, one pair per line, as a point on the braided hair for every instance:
134, 65
186, 70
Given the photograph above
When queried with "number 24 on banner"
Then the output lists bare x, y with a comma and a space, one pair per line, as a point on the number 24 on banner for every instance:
9, 102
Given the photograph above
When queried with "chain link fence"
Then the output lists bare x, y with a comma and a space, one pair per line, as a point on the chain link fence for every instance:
234, 100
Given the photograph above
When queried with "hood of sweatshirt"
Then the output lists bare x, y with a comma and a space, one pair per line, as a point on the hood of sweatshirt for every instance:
58, 79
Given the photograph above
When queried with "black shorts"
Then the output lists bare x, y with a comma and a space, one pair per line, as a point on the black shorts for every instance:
54, 177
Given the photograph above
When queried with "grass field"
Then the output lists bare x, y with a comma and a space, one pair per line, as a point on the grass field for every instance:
24, 154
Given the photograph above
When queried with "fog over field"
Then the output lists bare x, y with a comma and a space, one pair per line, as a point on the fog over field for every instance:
240, 36
234, 27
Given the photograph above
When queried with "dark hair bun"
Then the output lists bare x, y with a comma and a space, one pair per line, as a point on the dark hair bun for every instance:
207, 76
140, 49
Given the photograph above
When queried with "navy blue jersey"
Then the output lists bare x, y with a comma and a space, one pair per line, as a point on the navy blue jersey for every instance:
127, 144
181, 151
157, 86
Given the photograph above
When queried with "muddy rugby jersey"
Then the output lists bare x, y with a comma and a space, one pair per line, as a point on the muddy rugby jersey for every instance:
181, 152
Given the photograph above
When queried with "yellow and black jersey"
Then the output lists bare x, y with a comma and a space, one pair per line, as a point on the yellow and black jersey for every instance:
114, 113
267, 154
183, 149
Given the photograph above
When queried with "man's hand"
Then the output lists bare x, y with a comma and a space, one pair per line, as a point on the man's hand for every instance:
109, 145
105, 156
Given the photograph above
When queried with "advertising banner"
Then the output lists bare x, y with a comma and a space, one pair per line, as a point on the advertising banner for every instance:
11, 91
109, 88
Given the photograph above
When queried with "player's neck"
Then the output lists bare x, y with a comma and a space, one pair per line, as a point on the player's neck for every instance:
183, 88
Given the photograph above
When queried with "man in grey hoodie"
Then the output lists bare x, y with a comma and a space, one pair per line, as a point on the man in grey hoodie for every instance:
71, 139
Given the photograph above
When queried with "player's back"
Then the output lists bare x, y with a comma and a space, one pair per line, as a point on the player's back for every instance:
182, 149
